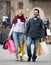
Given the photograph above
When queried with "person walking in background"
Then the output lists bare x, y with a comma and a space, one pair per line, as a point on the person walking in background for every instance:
4, 20
47, 23
18, 29
34, 31
46, 26
7, 21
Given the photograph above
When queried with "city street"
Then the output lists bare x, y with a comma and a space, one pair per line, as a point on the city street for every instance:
28, 19
9, 59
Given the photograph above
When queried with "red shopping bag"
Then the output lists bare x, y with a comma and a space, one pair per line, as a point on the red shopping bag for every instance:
11, 46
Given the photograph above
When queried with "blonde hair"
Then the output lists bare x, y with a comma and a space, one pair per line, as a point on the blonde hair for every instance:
19, 11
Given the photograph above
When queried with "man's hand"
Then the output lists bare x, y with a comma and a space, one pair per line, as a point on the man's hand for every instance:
42, 39
25, 37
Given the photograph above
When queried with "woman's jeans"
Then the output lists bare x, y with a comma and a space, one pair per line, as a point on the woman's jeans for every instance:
28, 43
17, 37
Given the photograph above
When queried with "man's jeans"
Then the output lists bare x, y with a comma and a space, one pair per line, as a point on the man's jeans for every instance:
17, 37
28, 43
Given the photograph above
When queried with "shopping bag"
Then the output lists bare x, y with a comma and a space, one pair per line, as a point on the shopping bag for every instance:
38, 49
11, 46
44, 50
48, 31
21, 50
25, 55
5, 45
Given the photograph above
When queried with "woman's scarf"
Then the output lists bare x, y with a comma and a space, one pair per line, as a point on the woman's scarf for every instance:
15, 20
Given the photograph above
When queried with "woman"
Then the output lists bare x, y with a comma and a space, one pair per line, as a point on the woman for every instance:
18, 29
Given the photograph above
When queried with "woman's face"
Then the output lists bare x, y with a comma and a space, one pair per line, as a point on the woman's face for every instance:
20, 12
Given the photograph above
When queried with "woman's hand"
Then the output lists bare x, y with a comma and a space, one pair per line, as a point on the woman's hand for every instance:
9, 37
25, 37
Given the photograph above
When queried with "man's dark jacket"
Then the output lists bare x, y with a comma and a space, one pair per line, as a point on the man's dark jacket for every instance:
35, 28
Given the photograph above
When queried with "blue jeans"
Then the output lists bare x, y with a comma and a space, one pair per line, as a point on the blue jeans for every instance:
17, 37
28, 43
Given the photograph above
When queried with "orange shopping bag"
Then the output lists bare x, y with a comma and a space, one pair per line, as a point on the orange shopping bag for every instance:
38, 49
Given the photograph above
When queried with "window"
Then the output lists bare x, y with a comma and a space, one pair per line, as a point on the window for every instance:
20, 5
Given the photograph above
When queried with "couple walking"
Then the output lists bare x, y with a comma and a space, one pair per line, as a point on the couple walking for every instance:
32, 31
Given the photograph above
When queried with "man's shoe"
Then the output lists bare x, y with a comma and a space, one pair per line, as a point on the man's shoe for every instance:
17, 59
34, 59
29, 59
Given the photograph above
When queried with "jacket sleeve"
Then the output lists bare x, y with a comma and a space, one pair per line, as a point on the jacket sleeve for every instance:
42, 29
27, 27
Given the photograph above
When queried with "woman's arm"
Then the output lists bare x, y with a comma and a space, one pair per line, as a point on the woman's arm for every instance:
11, 31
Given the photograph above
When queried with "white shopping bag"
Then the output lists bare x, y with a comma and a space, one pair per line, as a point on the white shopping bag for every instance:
25, 56
48, 31
44, 49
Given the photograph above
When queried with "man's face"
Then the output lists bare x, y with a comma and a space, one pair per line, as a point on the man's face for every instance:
36, 13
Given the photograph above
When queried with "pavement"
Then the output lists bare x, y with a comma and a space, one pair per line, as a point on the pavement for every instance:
9, 59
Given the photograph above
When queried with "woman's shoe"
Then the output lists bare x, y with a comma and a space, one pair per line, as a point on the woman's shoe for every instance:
16, 58
21, 59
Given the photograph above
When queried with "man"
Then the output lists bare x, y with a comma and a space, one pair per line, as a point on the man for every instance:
7, 21
47, 23
4, 19
34, 32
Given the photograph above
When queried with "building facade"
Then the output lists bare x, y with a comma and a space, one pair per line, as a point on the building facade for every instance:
4, 8
10, 7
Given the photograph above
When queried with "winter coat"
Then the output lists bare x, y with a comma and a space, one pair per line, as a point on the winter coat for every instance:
35, 28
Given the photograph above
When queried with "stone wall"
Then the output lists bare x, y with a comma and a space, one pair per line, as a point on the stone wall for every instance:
28, 6
4, 8
12, 8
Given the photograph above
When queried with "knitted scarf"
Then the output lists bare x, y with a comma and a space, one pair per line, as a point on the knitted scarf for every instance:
15, 20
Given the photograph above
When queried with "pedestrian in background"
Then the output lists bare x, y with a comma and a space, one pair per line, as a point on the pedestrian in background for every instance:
7, 21
4, 20
46, 26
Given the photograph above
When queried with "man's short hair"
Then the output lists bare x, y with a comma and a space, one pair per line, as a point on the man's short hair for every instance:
36, 10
